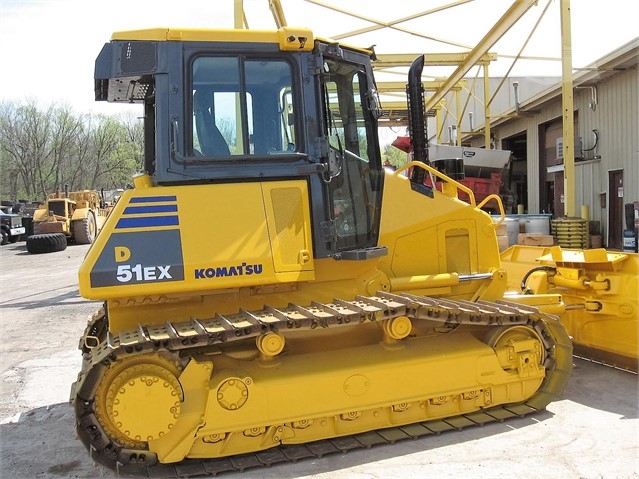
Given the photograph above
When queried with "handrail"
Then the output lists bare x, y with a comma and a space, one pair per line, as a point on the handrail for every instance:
459, 186
499, 204
442, 176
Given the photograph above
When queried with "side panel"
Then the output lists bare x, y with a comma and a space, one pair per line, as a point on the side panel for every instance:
198, 238
429, 236
289, 226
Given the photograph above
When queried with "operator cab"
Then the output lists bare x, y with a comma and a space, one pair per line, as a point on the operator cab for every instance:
238, 106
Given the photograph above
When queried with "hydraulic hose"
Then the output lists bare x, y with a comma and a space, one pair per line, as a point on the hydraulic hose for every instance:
527, 275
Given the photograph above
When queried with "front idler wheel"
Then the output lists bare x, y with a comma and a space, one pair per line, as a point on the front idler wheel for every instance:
138, 400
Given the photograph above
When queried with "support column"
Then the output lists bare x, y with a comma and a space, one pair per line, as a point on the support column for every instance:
568, 111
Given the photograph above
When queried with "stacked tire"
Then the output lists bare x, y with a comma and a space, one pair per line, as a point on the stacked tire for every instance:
46, 243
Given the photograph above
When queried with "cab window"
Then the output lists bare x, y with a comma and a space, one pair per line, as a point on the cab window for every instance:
241, 107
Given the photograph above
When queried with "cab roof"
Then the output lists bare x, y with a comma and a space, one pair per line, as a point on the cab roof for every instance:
288, 38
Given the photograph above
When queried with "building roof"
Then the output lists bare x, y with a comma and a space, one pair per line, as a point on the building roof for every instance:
623, 58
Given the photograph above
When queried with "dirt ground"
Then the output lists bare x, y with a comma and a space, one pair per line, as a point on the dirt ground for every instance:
593, 432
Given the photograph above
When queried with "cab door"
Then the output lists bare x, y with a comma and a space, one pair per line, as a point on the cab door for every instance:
355, 175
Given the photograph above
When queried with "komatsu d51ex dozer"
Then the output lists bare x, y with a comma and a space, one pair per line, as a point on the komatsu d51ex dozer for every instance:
270, 291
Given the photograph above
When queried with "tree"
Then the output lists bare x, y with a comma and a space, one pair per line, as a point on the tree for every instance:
25, 134
134, 139
397, 157
67, 134
41, 151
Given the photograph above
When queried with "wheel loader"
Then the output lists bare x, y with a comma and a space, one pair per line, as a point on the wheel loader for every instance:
78, 215
271, 292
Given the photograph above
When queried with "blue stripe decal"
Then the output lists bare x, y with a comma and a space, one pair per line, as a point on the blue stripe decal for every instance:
133, 210
152, 199
147, 222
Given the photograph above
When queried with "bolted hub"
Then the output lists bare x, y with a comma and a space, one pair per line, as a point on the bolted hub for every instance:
141, 403
232, 394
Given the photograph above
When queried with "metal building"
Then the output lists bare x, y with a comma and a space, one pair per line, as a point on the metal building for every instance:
606, 144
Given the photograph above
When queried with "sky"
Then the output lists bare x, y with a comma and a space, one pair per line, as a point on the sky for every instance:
48, 47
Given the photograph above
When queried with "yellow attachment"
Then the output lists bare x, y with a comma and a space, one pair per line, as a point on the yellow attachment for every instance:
600, 292
570, 278
601, 283
52, 226
548, 303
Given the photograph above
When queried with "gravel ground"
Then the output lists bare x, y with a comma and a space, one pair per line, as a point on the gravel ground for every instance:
593, 432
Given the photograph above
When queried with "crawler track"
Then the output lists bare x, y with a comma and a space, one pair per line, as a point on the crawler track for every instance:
100, 348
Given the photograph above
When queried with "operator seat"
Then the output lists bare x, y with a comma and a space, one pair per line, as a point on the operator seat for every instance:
212, 142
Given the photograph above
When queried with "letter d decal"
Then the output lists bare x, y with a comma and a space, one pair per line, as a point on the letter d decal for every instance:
122, 254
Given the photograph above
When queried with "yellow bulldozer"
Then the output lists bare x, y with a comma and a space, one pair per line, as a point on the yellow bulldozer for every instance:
77, 216
600, 292
270, 290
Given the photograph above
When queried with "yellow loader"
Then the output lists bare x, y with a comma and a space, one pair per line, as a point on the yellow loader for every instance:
77, 216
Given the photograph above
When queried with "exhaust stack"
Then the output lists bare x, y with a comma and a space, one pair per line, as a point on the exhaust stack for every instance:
417, 117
